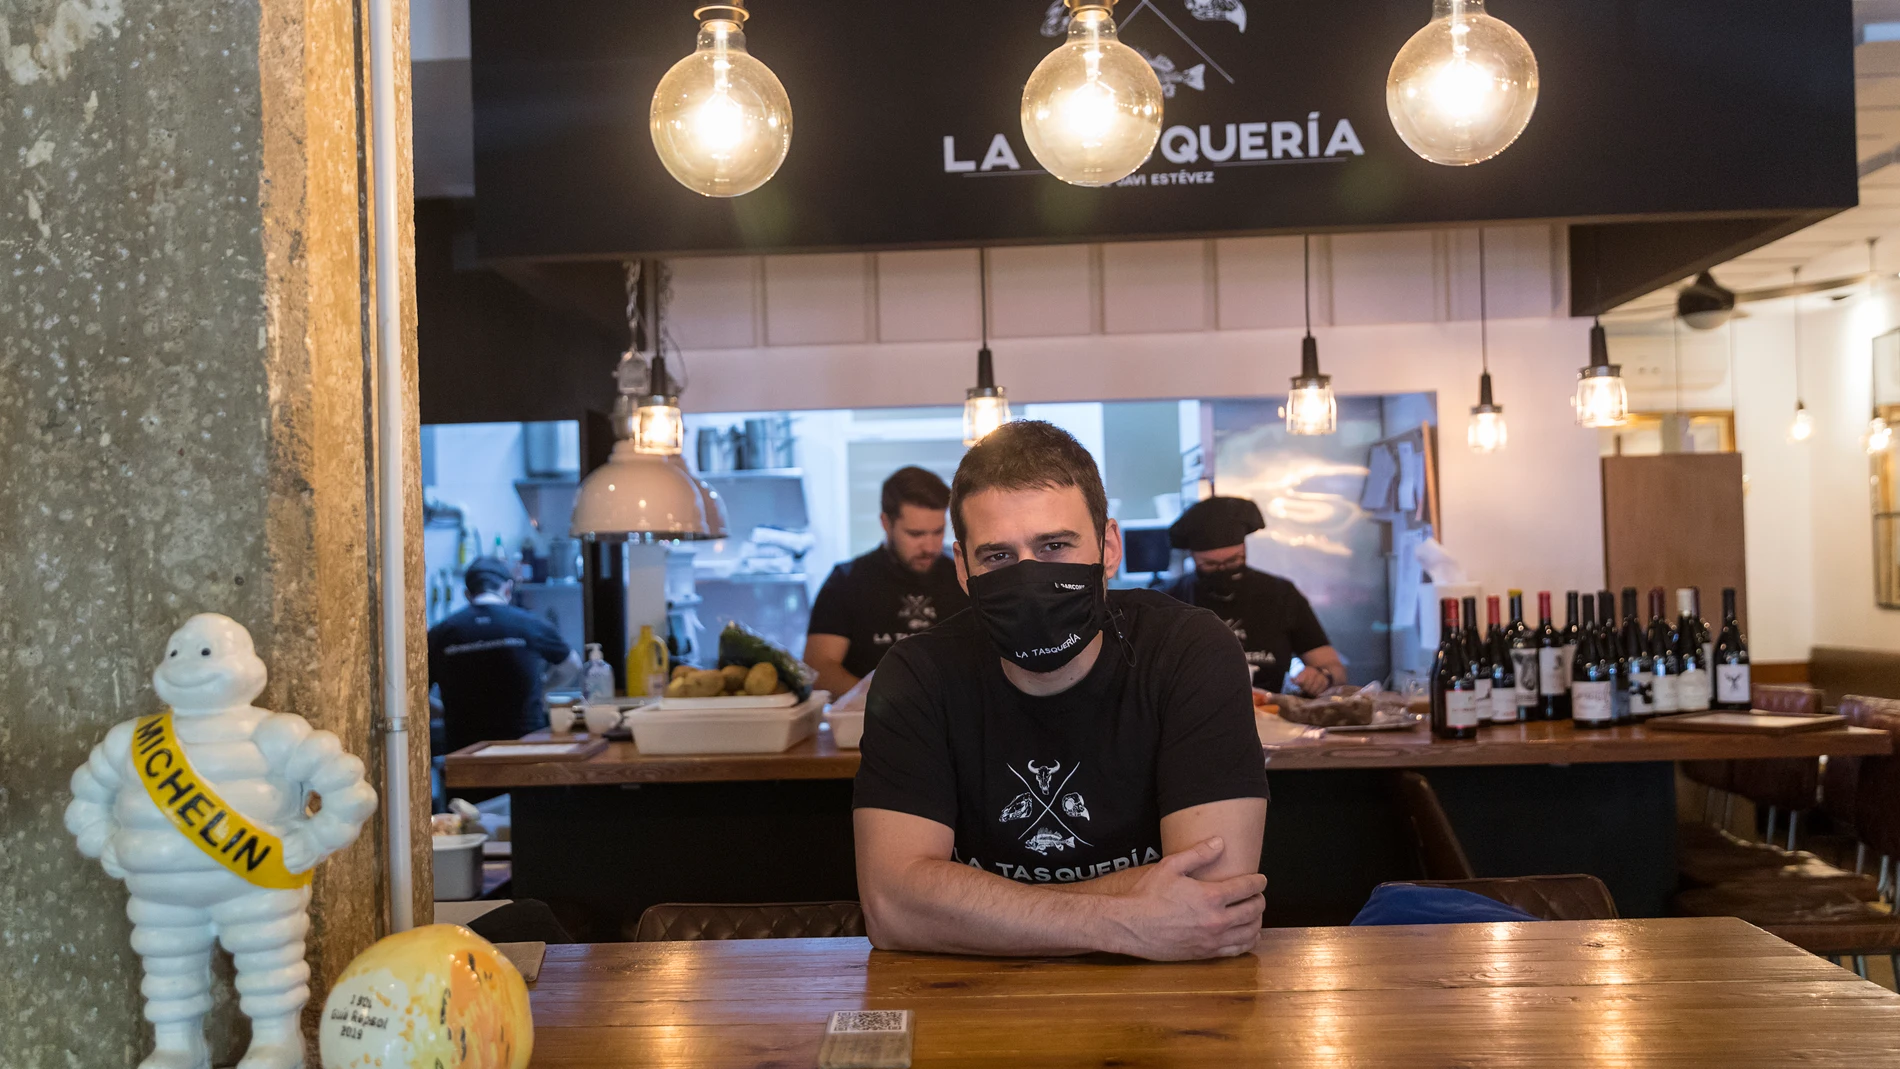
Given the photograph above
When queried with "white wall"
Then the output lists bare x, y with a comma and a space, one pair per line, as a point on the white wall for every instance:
1216, 318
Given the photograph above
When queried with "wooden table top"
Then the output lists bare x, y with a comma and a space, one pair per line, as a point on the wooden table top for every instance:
1558, 742
622, 762
1544, 743
1681, 992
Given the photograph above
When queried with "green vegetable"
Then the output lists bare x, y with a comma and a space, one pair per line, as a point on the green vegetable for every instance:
742, 646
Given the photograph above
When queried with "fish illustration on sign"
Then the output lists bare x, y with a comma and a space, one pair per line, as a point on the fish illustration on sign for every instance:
1219, 11
1194, 77
1055, 21
1074, 806
1047, 839
1021, 807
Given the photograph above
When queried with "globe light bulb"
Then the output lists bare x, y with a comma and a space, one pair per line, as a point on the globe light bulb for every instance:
1310, 406
720, 120
1092, 108
1462, 88
983, 412
1879, 436
1803, 426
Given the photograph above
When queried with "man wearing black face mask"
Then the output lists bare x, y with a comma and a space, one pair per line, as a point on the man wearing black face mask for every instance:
1059, 769
1268, 614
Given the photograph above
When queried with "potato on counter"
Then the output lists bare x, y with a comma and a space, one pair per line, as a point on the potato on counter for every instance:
735, 678
762, 679
681, 671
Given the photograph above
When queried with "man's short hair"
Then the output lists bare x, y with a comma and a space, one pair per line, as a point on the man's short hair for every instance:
486, 575
1028, 454
914, 486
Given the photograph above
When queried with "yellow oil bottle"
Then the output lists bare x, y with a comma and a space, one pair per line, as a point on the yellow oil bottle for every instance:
647, 664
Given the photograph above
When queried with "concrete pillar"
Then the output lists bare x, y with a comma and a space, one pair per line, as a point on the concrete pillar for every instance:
185, 376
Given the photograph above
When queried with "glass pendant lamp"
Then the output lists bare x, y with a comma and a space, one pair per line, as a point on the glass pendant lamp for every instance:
1463, 88
985, 405
1311, 408
1091, 109
1602, 400
1487, 432
720, 120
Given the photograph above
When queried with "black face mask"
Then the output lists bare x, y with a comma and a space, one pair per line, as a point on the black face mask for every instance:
1041, 615
1219, 583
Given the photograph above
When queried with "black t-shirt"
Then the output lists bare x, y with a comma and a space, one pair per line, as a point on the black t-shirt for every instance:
874, 601
1072, 786
1270, 617
490, 661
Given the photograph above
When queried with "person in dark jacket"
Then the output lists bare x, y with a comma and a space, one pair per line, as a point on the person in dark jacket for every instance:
491, 662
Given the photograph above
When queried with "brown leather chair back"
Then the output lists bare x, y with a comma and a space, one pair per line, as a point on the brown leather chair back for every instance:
1877, 790
764, 920
1797, 698
1440, 855
1554, 898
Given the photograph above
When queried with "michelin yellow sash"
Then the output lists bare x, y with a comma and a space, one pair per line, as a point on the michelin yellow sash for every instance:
212, 826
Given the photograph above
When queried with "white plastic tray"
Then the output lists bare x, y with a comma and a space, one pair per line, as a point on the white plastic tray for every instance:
665, 730
847, 727
736, 701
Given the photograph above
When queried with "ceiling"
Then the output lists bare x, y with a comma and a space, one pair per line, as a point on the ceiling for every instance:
1837, 246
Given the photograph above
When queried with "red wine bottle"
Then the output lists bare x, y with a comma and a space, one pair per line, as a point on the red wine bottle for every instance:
1553, 671
1732, 690
1636, 677
1454, 688
1523, 643
1503, 673
1692, 689
1592, 683
1476, 659
1664, 666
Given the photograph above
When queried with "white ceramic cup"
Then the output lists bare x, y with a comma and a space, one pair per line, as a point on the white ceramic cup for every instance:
602, 718
561, 719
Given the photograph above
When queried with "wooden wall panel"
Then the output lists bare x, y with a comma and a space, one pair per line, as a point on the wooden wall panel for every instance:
928, 296
1043, 291
715, 303
1675, 520
1152, 287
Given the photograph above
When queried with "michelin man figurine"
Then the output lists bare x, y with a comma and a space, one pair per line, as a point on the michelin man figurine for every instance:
201, 810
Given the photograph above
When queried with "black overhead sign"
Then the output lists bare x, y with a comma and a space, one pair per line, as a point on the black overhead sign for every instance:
906, 128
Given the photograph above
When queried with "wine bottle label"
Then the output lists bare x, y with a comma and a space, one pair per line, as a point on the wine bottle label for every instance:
1731, 684
1570, 660
1483, 692
1619, 702
1692, 691
1504, 704
1524, 663
1552, 676
1461, 708
1591, 701
1643, 693
1667, 692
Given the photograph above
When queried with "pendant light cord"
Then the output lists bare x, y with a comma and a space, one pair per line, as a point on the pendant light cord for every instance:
983, 291
1484, 311
1307, 283
1797, 339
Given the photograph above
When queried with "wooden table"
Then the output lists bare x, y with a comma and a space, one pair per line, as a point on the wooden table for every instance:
1544, 743
1687, 992
622, 762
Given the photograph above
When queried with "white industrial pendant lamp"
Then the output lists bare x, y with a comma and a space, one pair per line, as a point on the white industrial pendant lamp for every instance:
985, 405
1310, 406
720, 120
1802, 428
644, 490
1487, 432
1602, 400
1463, 88
1092, 108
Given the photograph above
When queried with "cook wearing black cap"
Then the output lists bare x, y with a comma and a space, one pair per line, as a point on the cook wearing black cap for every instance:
1268, 614
491, 660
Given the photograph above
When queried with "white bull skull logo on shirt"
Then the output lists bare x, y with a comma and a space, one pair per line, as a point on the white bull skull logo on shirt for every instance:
1044, 775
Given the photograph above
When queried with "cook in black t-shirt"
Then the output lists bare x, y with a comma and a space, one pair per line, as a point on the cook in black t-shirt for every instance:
874, 602
1058, 769
897, 590
1071, 786
1272, 619
490, 661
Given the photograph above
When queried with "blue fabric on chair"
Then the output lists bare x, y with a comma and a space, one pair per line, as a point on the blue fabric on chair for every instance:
1404, 903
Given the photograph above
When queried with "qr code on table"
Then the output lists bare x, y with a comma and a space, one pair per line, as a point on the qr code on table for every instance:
845, 1021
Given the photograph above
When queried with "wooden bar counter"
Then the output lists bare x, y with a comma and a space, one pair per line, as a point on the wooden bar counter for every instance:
1543, 743
1684, 992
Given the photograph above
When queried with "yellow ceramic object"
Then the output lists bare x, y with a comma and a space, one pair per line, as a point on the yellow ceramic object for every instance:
439, 996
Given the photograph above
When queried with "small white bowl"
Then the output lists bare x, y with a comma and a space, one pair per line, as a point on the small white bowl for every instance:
561, 719
602, 718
